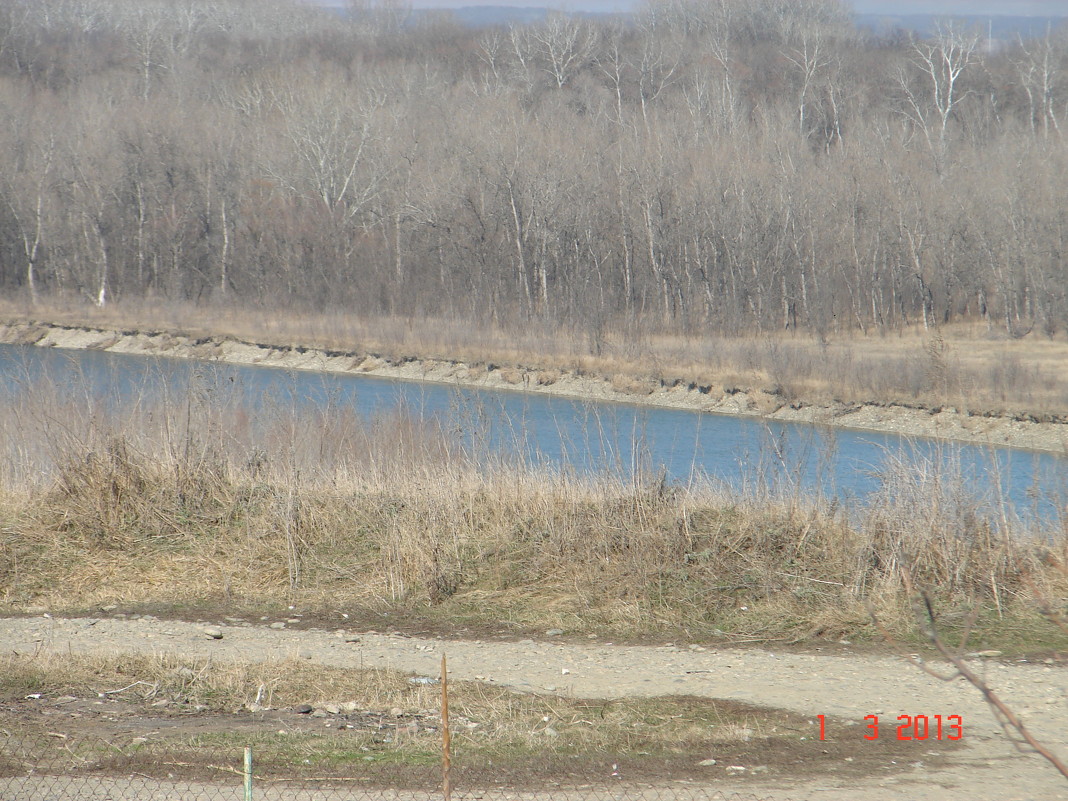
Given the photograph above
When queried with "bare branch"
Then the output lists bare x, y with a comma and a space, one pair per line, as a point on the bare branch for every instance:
1011, 724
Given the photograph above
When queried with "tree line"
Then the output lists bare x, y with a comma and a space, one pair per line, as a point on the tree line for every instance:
702, 165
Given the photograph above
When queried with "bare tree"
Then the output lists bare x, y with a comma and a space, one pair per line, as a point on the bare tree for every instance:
551, 171
330, 136
810, 56
29, 185
1039, 71
491, 48
657, 65
931, 102
611, 60
559, 47
160, 34
14, 19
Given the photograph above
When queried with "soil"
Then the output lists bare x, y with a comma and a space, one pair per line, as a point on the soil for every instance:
1047, 433
845, 686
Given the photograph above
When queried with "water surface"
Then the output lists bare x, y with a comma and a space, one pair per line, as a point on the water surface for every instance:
679, 446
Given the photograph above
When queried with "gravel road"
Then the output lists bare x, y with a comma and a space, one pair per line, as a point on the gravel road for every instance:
844, 685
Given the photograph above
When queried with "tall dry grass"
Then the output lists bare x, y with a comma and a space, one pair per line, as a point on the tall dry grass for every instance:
206, 498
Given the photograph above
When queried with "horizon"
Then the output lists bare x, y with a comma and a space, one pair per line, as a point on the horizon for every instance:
1021, 8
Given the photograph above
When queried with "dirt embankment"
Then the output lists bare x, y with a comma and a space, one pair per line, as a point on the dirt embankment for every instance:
1019, 431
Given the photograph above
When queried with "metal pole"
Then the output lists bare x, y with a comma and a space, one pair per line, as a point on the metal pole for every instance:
248, 773
446, 739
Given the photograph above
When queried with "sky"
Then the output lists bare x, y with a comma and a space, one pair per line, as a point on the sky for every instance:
1014, 7
1047, 8
1035, 8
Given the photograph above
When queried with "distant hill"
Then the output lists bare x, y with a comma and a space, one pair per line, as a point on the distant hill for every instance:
1000, 27
501, 16
491, 16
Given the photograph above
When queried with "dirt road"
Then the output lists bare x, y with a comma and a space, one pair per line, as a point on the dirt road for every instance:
844, 685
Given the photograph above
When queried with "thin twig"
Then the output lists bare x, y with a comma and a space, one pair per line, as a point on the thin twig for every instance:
1014, 728
221, 768
154, 686
807, 578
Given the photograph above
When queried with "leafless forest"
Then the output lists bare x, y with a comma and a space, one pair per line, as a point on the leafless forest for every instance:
715, 166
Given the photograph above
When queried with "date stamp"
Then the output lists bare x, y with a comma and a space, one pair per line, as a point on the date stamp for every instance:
911, 727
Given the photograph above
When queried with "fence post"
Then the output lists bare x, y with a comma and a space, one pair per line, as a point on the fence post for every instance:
248, 773
446, 739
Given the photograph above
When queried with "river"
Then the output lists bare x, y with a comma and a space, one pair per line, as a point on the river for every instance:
680, 446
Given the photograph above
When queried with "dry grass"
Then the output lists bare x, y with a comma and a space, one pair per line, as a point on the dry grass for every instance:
383, 719
502, 716
965, 366
194, 501
207, 685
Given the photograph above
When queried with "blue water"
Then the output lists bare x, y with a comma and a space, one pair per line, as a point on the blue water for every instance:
679, 446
